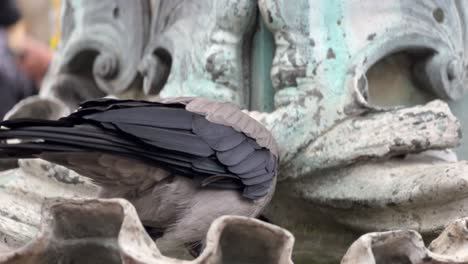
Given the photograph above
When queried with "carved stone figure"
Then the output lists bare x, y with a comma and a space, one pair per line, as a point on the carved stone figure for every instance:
350, 163
100, 49
363, 97
199, 48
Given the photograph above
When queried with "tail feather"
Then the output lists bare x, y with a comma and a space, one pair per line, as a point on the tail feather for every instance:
31, 150
39, 137
52, 139
24, 122
84, 141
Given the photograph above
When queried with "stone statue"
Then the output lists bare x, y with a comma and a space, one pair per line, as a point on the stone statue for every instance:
366, 101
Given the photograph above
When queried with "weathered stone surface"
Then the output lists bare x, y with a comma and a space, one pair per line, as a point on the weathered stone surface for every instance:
324, 50
205, 46
413, 194
321, 60
378, 135
408, 247
109, 231
23, 192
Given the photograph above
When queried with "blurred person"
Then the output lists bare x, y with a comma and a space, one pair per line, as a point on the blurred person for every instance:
21, 69
34, 58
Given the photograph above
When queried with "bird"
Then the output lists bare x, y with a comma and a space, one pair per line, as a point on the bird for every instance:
182, 161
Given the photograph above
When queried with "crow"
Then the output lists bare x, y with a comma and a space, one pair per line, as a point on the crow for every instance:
182, 162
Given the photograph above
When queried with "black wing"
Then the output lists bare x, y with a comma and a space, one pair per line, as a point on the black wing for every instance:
160, 134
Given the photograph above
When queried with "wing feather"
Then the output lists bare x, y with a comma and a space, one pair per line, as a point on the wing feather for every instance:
213, 142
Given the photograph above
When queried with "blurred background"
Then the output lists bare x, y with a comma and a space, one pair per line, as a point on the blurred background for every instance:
29, 34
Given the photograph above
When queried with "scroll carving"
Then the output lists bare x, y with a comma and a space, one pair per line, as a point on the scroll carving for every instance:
324, 50
199, 48
101, 46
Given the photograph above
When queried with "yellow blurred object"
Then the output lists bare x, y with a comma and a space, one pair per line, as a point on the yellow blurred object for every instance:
56, 5
41, 20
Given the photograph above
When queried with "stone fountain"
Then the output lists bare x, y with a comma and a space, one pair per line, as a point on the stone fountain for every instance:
365, 98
